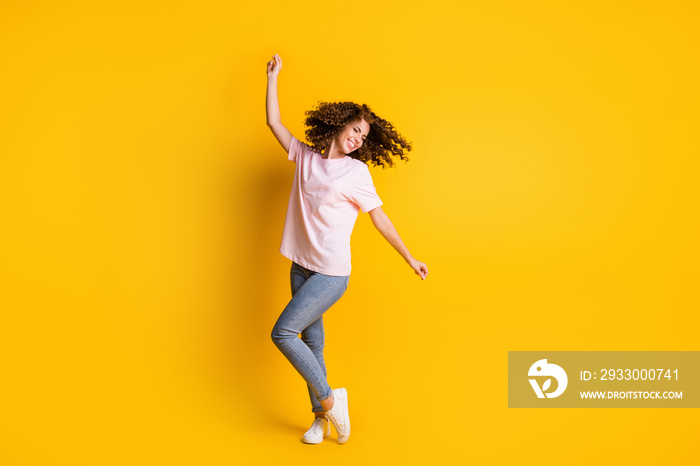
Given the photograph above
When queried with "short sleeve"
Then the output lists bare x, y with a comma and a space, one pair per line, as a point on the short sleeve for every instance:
365, 194
295, 148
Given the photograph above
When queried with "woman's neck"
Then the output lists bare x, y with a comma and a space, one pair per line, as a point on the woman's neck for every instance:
334, 152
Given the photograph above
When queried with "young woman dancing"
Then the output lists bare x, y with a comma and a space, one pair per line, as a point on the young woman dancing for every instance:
331, 185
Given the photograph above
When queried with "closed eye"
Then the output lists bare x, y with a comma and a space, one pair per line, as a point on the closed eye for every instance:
357, 130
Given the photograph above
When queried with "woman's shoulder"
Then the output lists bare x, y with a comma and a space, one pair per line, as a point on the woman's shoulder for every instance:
303, 143
302, 148
358, 165
360, 171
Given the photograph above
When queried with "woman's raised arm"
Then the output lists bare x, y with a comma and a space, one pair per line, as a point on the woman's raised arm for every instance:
272, 106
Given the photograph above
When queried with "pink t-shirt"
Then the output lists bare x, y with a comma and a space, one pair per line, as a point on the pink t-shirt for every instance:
327, 195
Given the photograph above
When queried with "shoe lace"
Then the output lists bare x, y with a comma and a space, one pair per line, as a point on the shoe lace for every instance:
317, 426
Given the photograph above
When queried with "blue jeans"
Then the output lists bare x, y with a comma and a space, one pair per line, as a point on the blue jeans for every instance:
313, 294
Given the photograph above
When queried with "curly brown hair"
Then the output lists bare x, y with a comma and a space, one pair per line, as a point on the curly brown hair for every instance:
383, 141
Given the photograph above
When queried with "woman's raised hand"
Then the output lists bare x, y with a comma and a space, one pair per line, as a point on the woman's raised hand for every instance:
419, 267
274, 66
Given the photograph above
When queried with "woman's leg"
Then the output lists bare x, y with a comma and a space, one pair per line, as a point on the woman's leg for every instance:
317, 294
312, 335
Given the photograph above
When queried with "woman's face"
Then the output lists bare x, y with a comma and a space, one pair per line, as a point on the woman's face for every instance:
353, 135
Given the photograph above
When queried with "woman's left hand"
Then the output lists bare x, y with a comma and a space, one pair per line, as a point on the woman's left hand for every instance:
419, 267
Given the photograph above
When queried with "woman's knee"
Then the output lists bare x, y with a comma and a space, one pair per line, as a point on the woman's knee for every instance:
279, 335
315, 346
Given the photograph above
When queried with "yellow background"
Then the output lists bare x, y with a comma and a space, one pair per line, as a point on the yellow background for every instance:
552, 191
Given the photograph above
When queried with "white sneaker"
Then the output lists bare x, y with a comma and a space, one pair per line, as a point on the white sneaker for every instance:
339, 415
319, 430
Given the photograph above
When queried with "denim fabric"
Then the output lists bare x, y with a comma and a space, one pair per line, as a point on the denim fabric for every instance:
313, 294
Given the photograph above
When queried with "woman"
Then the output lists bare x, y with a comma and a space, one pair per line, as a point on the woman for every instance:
331, 184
